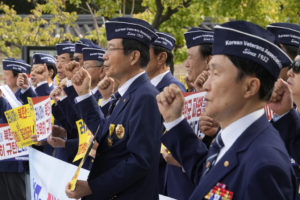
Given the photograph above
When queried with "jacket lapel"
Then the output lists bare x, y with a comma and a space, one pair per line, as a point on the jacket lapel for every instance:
123, 102
230, 159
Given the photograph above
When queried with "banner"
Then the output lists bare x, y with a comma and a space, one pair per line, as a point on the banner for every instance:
8, 145
193, 108
85, 136
49, 176
22, 124
43, 116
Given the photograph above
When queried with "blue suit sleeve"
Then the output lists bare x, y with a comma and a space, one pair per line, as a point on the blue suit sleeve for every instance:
43, 90
4, 106
187, 149
28, 93
91, 114
289, 128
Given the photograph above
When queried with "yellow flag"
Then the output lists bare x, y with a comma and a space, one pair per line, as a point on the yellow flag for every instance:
85, 136
22, 124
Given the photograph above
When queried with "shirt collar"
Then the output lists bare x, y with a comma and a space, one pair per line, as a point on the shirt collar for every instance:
94, 90
156, 80
127, 84
231, 133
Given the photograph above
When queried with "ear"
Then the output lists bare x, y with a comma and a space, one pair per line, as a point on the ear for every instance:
134, 57
251, 86
161, 58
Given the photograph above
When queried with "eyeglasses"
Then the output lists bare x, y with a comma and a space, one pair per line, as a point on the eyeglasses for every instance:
295, 66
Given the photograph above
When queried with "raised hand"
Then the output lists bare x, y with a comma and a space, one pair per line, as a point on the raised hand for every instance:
41, 73
208, 125
22, 81
56, 142
189, 83
82, 189
82, 82
106, 87
170, 103
56, 93
281, 100
200, 80
71, 68
169, 158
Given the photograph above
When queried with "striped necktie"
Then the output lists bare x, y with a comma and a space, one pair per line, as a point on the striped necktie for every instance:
114, 99
213, 152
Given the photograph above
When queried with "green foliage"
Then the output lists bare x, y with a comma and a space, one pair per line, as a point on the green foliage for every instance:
33, 29
174, 16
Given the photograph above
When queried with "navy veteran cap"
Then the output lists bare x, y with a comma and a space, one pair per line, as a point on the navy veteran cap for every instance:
130, 28
286, 33
164, 40
197, 36
41, 58
93, 53
250, 41
16, 65
82, 43
65, 47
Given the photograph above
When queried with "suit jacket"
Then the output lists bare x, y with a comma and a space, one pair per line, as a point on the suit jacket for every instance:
8, 166
289, 129
4, 106
172, 181
167, 80
255, 167
42, 90
128, 168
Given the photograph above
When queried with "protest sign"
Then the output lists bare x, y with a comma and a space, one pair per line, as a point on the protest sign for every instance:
85, 136
21, 121
49, 176
43, 116
8, 145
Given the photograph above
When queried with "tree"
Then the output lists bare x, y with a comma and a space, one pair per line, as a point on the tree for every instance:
17, 31
173, 16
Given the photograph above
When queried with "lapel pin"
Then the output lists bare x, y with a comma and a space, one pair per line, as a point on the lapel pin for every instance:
120, 131
226, 163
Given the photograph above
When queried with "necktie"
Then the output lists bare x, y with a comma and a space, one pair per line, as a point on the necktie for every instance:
114, 99
213, 152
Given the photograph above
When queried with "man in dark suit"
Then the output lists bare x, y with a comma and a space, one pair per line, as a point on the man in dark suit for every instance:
287, 36
12, 173
126, 163
248, 159
93, 63
161, 58
12, 68
41, 75
287, 120
198, 42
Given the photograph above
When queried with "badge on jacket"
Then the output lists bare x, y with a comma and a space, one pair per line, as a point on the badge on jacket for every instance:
219, 192
120, 131
111, 131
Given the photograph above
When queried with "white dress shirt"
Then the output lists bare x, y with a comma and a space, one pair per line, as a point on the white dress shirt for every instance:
157, 79
231, 133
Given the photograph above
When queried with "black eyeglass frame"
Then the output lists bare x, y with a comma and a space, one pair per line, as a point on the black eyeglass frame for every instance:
295, 66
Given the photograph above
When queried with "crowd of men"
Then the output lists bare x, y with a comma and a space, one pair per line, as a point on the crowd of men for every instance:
129, 99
